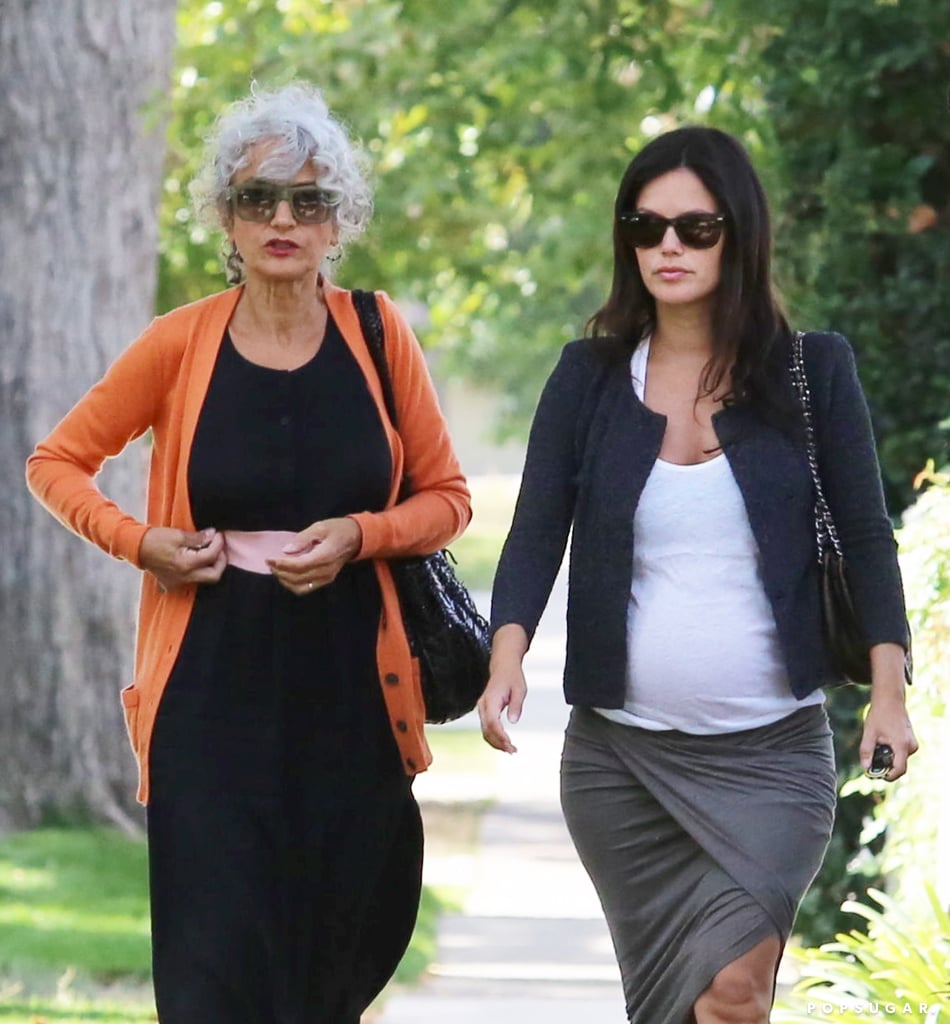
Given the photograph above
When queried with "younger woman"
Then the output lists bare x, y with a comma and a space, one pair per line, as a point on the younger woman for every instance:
698, 779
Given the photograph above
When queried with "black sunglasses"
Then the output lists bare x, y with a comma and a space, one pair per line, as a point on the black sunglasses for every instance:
696, 230
257, 201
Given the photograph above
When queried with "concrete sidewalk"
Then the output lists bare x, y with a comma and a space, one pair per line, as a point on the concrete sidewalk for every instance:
531, 943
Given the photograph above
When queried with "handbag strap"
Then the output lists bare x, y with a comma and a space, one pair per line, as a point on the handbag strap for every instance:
371, 324
825, 531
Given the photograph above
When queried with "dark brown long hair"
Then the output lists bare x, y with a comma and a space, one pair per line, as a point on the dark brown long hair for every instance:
750, 332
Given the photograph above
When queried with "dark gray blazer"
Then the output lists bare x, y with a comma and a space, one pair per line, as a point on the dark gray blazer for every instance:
592, 446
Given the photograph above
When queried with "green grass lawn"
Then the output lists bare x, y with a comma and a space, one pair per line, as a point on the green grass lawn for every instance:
74, 930
74, 942
77, 898
476, 557
70, 1010
459, 751
477, 550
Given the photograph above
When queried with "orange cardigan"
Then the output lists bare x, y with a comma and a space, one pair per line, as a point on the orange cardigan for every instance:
159, 383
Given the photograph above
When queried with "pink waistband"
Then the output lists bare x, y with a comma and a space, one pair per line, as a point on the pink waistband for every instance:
250, 550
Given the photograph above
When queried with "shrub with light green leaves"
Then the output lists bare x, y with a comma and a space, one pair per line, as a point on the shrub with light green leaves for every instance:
899, 971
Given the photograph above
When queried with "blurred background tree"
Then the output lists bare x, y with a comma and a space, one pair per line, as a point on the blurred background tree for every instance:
499, 130
857, 96
82, 118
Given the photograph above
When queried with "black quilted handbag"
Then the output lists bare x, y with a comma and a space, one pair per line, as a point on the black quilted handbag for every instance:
445, 631
847, 646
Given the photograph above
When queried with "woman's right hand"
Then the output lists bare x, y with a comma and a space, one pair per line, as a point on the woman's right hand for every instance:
176, 558
506, 686
506, 689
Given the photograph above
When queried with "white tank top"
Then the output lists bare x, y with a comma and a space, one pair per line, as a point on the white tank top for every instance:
703, 650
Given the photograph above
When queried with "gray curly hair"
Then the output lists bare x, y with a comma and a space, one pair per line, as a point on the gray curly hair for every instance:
297, 120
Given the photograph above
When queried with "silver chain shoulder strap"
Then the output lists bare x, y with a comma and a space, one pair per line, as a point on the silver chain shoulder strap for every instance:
825, 530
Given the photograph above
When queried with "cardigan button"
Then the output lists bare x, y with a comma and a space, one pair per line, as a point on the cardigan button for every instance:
391, 678
401, 726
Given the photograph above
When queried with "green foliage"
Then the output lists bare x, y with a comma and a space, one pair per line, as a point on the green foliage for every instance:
856, 94
885, 833
912, 939
852, 864
498, 131
898, 971
919, 806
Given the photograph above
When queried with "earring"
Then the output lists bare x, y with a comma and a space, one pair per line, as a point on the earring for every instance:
234, 265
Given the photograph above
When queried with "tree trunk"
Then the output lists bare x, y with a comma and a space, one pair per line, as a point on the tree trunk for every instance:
83, 100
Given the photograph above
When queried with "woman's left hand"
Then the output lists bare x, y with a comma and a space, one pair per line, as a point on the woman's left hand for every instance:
887, 720
316, 555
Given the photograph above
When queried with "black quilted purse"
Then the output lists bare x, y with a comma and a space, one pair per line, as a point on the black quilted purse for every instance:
445, 631
844, 636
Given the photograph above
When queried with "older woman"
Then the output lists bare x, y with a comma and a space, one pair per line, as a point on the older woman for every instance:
275, 714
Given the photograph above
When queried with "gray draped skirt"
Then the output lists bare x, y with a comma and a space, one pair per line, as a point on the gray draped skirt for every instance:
699, 847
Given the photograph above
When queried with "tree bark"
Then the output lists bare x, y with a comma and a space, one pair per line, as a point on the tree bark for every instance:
83, 102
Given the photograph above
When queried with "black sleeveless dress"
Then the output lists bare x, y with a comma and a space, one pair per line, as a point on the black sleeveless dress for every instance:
285, 844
